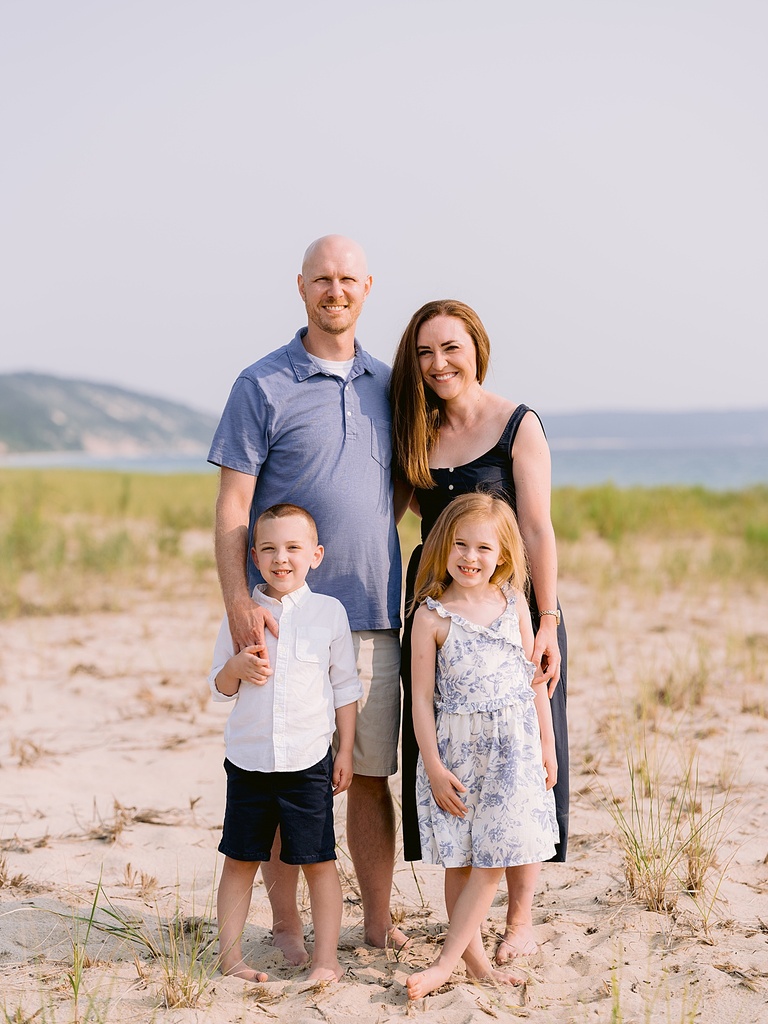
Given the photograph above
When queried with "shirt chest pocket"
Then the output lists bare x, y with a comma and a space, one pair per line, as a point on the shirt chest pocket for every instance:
313, 644
381, 443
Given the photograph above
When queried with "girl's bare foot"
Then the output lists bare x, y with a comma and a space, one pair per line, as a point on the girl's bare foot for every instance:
424, 982
334, 972
496, 976
481, 969
291, 944
517, 942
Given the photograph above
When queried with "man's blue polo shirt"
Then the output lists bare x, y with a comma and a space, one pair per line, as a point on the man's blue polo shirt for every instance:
321, 442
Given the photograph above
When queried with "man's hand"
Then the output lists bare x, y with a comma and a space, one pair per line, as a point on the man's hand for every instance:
247, 622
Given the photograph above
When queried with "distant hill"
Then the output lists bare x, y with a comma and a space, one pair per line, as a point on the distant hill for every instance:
42, 413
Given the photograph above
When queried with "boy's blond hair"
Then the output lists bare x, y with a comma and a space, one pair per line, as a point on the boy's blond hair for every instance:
433, 578
282, 511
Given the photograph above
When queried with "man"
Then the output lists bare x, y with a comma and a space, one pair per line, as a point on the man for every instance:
310, 424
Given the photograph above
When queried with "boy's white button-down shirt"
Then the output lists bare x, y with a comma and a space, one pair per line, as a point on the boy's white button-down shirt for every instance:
287, 724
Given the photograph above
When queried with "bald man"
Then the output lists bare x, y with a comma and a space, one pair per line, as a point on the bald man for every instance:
310, 424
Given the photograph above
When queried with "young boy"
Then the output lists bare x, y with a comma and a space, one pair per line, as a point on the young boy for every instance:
279, 765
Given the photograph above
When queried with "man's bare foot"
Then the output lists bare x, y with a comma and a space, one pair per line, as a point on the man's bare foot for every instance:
424, 982
291, 945
516, 942
391, 937
320, 972
240, 969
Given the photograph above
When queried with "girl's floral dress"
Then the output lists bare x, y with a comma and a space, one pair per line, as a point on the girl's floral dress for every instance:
488, 736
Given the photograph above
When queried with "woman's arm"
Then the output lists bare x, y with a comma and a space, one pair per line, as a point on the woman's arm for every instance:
445, 786
532, 471
403, 497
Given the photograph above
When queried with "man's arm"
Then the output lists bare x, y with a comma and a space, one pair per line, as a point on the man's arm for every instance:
233, 506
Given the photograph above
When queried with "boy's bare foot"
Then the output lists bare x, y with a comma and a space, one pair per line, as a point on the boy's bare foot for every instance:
516, 942
333, 972
291, 945
242, 970
391, 936
424, 982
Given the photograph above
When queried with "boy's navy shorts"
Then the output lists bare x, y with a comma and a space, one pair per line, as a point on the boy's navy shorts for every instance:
301, 803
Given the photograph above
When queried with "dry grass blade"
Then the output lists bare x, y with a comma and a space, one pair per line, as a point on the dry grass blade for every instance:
669, 833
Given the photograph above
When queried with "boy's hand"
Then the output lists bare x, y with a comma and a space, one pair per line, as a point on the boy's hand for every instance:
251, 664
342, 772
549, 760
445, 789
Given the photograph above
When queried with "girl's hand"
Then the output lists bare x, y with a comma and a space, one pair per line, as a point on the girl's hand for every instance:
549, 760
445, 789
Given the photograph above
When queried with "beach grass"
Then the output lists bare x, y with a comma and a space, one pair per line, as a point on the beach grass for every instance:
63, 531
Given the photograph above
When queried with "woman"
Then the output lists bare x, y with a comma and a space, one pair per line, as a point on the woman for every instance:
450, 436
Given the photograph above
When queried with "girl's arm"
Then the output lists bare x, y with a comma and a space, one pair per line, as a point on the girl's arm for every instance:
541, 699
544, 711
424, 639
532, 469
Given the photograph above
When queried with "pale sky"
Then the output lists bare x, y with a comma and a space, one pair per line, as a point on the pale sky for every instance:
590, 175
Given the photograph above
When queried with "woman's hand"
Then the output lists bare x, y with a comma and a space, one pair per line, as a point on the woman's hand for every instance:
546, 654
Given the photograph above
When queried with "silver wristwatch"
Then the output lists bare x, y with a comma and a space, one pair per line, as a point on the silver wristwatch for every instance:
551, 611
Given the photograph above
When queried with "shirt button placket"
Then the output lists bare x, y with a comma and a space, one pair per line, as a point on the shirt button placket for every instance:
281, 685
349, 414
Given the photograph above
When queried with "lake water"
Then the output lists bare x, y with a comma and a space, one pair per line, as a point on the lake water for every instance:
716, 469
721, 469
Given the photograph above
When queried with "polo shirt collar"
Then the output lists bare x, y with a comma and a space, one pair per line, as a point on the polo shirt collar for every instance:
296, 597
304, 365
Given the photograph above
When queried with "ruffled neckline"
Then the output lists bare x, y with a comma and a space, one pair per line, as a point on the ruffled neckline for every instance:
473, 627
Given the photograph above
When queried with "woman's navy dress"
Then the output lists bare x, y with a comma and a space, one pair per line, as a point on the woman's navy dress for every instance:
491, 473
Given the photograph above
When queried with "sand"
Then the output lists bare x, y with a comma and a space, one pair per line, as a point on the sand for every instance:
112, 793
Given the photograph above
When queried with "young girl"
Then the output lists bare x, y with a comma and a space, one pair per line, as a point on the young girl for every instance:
487, 750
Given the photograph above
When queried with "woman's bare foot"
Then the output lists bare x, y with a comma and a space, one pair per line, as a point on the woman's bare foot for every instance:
391, 937
326, 972
517, 942
291, 944
240, 969
424, 982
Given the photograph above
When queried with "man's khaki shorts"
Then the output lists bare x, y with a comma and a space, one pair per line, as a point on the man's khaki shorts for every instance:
378, 712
